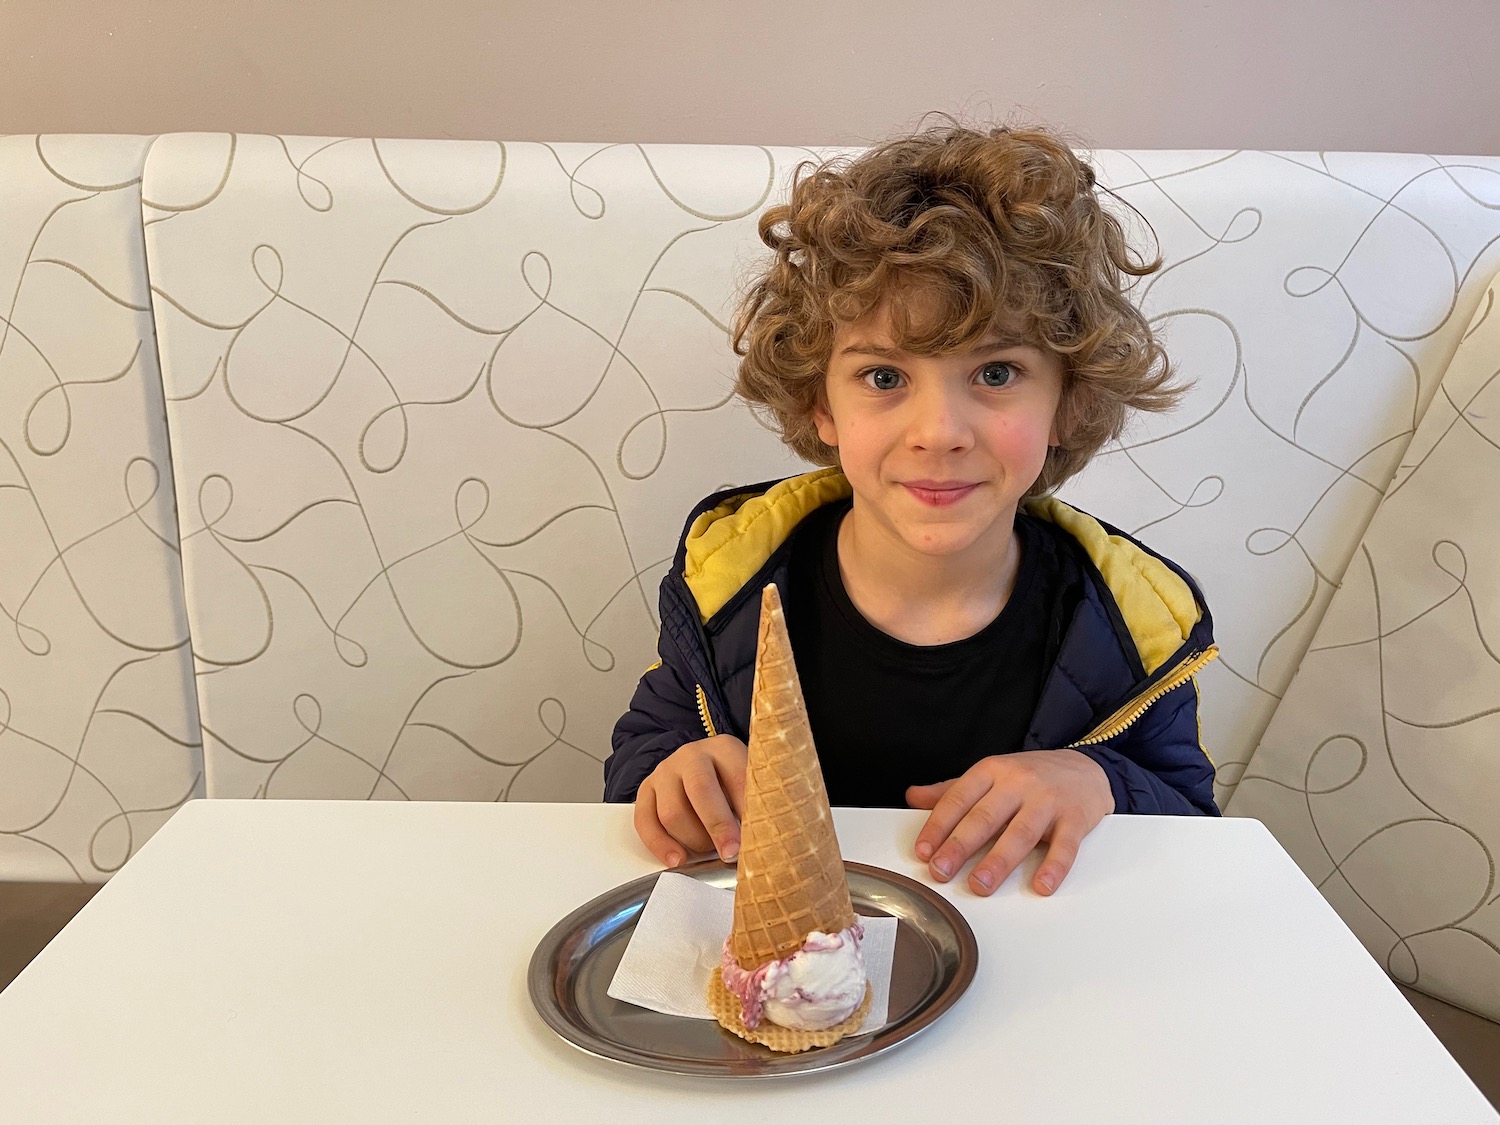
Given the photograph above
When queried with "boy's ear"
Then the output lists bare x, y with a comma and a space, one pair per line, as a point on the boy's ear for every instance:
1060, 425
823, 420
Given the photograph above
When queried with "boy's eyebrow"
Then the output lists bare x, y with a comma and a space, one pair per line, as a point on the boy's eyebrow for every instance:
861, 347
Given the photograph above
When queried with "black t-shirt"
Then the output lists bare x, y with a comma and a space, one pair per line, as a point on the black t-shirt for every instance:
886, 714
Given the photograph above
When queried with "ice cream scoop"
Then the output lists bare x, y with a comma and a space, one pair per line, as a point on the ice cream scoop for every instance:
818, 986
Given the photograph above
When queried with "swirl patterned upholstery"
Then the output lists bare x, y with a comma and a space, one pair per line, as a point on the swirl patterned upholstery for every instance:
1380, 770
437, 410
98, 723
438, 414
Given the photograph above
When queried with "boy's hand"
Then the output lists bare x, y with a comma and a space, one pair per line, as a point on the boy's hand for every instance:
1055, 795
693, 800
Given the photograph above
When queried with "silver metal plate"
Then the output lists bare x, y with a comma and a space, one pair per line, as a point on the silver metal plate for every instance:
935, 960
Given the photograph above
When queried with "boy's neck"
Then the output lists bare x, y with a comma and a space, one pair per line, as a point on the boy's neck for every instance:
926, 599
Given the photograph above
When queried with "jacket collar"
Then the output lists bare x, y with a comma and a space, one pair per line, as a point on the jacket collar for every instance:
729, 541
731, 538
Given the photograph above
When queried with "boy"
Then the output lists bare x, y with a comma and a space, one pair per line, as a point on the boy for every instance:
943, 322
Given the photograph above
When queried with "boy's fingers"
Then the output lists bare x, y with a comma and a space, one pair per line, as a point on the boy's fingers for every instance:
1067, 835
979, 826
711, 806
649, 828
676, 814
1021, 835
734, 789
950, 809
926, 796
731, 770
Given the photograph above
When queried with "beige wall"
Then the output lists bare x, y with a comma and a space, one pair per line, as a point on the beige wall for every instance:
1288, 74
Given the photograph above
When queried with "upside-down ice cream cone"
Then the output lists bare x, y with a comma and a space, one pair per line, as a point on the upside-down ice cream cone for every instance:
791, 880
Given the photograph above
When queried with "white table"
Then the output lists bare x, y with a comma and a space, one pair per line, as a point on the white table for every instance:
326, 962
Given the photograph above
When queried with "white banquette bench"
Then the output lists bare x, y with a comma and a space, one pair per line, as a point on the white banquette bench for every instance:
349, 467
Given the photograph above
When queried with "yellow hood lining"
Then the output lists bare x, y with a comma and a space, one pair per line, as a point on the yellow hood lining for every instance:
727, 545
1158, 606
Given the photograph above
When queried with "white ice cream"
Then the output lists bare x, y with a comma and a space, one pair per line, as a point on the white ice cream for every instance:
819, 985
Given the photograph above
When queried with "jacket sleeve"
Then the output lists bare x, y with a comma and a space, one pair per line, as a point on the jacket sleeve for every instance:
663, 715
1158, 765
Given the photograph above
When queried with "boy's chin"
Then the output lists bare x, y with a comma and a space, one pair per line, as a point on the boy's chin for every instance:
944, 543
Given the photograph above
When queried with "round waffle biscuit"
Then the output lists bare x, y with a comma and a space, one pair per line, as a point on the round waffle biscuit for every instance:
727, 1009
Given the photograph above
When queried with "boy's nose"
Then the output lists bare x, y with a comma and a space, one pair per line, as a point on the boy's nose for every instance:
937, 422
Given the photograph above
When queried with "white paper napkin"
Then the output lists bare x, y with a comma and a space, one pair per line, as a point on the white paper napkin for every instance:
680, 936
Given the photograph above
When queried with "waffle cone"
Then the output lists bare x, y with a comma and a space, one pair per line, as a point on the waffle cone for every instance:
791, 877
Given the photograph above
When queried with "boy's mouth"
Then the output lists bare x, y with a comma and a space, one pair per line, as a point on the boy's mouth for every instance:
938, 493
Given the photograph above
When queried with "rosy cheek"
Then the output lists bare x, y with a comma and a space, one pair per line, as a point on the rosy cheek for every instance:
1025, 436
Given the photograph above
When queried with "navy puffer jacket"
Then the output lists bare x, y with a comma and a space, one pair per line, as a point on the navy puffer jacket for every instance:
1123, 689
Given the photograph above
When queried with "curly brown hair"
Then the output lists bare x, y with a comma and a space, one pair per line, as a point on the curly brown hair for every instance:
1001, 230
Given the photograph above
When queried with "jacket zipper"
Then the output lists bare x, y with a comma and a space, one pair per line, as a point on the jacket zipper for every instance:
708, 724
1122, 719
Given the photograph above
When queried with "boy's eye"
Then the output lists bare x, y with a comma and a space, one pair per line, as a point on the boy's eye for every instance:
997, 374
883, 378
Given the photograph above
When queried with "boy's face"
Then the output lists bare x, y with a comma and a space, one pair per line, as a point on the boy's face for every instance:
939, 449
